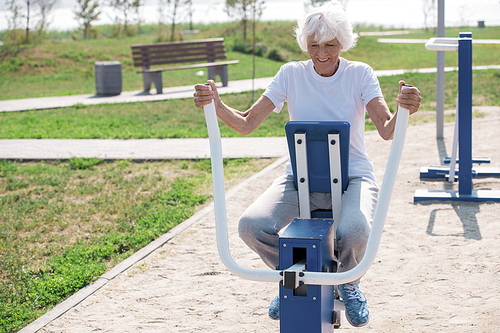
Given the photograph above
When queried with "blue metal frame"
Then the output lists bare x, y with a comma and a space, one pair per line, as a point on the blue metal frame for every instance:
317, 159
310, 308
475, 160
465, 110
443, 172
465, 172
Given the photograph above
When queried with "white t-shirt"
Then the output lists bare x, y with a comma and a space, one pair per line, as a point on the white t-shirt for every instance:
341, 97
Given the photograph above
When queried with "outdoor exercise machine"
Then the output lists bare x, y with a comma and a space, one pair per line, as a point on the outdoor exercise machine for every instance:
319, 155
462, 135
307, 254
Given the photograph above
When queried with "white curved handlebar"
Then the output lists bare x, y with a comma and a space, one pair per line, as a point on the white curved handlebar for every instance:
318, 278
442, 44
220, 205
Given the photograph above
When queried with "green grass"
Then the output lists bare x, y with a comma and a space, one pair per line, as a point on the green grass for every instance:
170, 119
408, 56
64, 224
57, 66
180, 119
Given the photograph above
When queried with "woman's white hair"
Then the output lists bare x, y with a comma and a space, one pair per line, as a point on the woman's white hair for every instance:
324, 24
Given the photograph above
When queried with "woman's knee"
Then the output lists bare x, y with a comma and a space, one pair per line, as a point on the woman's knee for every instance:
249, 228
355, 231
245, 228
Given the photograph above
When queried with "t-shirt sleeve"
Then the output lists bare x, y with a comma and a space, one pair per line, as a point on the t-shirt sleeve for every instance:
276, 91
370, 86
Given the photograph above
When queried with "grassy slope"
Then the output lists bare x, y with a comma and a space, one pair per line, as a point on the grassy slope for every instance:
64, 67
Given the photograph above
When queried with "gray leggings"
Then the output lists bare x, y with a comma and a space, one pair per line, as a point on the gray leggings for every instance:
276, 208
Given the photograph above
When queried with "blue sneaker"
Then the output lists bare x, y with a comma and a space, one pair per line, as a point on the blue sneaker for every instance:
356, 309
274, 308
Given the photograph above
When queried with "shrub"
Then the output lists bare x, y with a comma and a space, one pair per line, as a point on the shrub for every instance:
274, 54
247, 48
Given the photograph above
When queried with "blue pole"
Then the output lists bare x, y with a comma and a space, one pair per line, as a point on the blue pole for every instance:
465, 113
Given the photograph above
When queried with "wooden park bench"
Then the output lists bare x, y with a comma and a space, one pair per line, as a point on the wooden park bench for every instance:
191, 53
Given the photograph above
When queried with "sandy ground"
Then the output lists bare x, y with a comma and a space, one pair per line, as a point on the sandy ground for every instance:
437, 269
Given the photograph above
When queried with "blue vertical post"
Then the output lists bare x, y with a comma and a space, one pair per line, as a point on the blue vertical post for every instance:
307, 308
465, 113
465, 174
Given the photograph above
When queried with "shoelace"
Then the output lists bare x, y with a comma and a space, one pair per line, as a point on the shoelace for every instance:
354, 292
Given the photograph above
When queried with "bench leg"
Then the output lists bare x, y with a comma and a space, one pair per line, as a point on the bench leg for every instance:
149, 78
218, 70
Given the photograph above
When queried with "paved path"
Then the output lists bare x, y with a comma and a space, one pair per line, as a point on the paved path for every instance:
172, 92
144, 149
125, 97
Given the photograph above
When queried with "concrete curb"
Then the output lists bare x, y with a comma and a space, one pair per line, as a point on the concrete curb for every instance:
81, 295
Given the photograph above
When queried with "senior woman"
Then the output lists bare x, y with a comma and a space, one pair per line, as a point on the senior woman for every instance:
326, 87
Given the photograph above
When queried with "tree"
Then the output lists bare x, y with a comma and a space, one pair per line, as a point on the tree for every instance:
13, 21
44, 8
14, 34
465, 12
137, 8
126, 8
256, 10
174, 10
162, 4
27, 20
317, 3
190, 12
429, 10
242, 9
40, 8
173, 17
86, 13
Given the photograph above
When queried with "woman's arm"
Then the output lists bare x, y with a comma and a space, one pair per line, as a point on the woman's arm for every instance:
382, 118
242, 122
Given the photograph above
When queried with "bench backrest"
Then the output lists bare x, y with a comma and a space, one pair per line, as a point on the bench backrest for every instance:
207, 50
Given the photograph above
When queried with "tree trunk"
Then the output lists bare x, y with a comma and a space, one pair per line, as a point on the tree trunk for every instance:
244, 21
27, 21
172, 35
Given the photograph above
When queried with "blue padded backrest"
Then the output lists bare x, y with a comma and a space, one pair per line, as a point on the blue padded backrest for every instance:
317, 151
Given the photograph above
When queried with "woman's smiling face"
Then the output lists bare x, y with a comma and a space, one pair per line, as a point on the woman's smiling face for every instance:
325, 56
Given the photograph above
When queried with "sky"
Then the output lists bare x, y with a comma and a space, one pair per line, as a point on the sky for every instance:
387, 13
